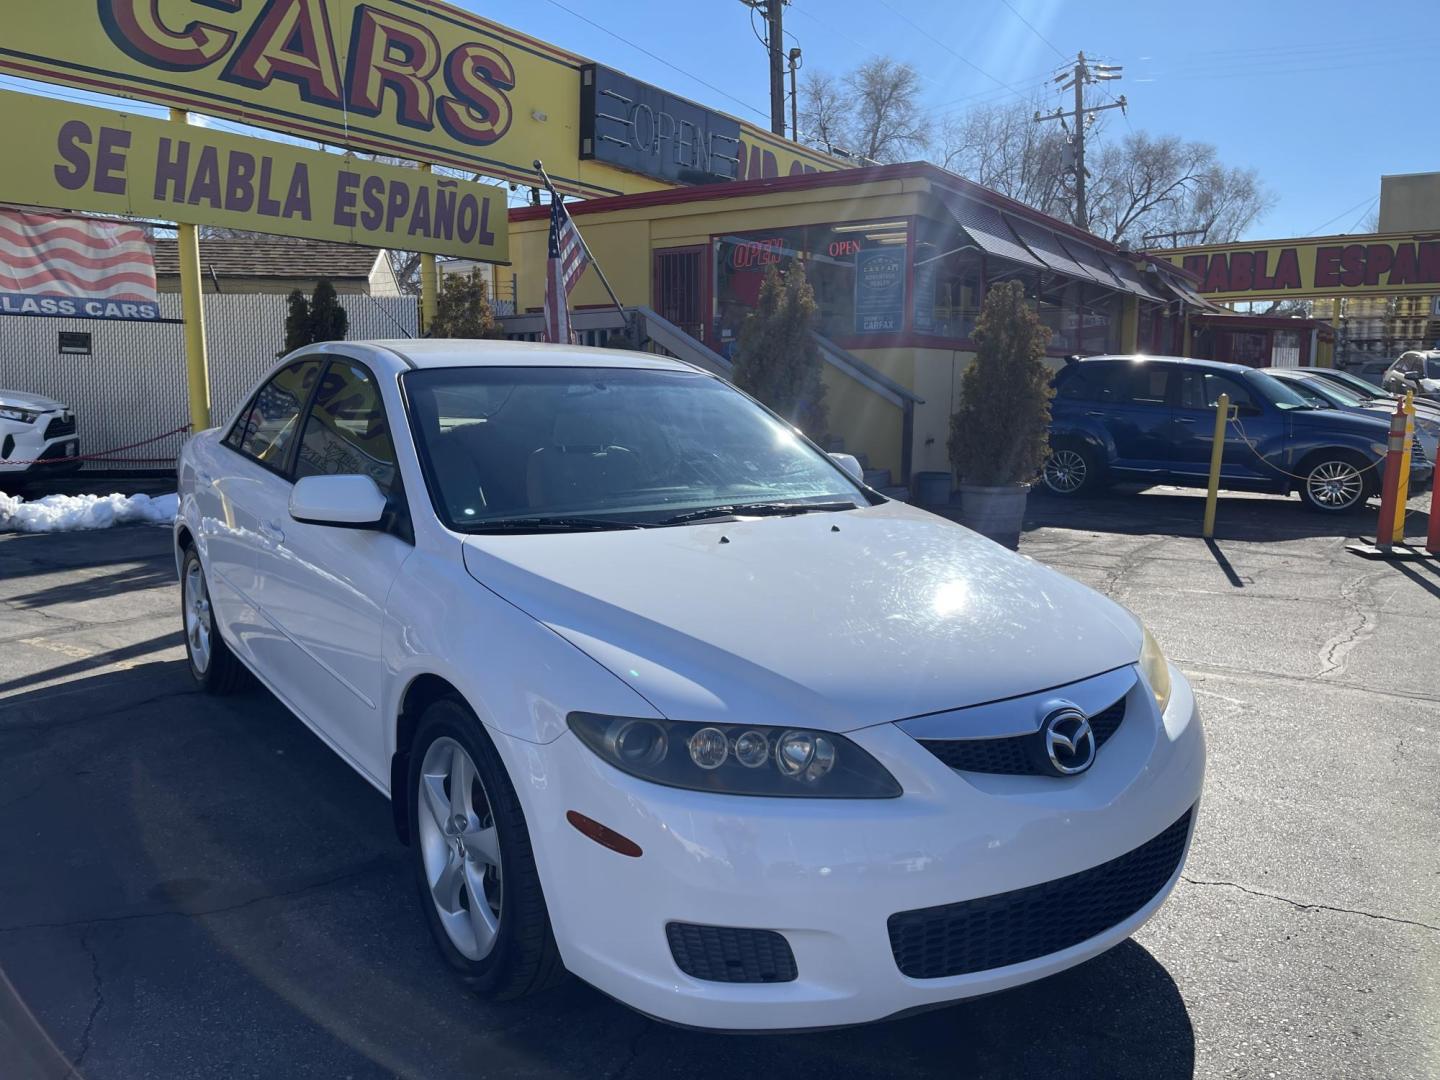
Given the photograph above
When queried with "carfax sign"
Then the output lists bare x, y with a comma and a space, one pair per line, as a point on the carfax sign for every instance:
879, 290
66, 156
414, 79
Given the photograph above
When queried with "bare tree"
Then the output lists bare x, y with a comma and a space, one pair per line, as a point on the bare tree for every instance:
873, 113
823, 109
1001, 147
885, 110
1147, 184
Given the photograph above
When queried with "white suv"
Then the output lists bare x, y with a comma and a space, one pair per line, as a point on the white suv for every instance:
36, 434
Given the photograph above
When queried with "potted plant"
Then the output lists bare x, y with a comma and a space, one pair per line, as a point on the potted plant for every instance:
999, 435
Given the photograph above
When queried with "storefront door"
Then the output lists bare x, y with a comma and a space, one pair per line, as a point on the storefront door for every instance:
681, 288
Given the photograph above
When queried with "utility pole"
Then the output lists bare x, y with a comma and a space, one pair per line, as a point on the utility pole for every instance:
794, 96
774, 42
1083, 74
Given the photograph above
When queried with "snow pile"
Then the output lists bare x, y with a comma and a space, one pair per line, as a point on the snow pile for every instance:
72, 513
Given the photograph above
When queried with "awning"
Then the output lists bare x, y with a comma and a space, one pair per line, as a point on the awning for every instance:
988, 229
1092, 260
1047, 248
1181, 288
1122, 268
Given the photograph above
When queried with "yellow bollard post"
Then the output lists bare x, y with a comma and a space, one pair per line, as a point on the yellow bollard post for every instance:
1217, 454
429, 285
192, 311
1397, 532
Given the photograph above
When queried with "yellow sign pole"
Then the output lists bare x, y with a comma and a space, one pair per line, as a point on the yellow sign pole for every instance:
429, 284
192, 310
1403, 491
1217, 453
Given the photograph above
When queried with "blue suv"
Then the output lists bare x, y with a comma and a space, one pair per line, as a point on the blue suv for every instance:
1152, 419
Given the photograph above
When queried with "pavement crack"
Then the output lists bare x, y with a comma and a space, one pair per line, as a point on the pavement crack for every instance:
370, 867
1359, 597
95, 1006
1300, 905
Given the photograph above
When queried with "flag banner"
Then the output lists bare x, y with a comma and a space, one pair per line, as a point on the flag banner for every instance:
567, 261
75, 267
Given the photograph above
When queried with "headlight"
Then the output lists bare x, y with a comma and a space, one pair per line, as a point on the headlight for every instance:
736, 759
14, 412
1155, 669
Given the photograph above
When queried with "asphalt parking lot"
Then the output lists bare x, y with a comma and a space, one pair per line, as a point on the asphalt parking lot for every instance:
198, 888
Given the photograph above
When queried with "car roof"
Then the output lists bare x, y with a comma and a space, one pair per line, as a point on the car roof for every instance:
470, 352
1188, 361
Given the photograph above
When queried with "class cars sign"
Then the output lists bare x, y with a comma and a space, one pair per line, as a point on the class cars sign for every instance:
415, 79
1382, 264
60, 154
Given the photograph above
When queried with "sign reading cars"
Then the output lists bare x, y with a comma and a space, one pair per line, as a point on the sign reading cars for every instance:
416, 79
66, 155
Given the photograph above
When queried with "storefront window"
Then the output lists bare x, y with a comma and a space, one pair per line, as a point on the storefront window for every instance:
858, 272
949, 281
1082, 318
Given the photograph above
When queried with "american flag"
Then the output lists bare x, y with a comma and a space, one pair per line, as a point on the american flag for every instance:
567, 262
74, 257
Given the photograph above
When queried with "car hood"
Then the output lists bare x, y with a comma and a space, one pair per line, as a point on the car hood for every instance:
1358, 422
18, 400
830, 620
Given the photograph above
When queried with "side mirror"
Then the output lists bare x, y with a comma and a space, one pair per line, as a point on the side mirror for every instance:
851, 464
347, 502
1247, 410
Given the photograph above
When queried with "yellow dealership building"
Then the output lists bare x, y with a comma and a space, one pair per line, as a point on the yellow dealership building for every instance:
899, 256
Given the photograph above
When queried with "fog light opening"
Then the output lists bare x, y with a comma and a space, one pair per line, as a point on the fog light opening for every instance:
603, 835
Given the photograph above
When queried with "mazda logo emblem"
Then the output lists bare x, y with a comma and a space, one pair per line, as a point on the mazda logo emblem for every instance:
1068, 740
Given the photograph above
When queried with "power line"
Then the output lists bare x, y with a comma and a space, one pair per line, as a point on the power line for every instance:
929, 34
1365, 202
1362, 214
660, 59
1030, 26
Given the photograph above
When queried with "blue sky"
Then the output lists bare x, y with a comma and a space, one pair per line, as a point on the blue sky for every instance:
1321, 96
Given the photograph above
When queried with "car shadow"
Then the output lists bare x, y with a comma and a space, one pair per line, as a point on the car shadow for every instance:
1180, 512
234, 866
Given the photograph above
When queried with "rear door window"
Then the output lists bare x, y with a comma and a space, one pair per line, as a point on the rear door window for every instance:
1149, 384
267, 428
347, 431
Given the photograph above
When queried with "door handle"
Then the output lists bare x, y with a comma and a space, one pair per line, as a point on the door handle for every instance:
272, 531
1184, 420
1094, 412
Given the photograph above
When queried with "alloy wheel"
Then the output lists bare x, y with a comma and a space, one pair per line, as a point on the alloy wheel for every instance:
1065, 471
1335, 485
197, 616
460, 848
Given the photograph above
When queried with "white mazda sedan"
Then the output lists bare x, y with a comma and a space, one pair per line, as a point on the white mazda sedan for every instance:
664, 697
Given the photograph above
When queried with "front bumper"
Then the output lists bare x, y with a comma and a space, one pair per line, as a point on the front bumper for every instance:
49, 445
828, 874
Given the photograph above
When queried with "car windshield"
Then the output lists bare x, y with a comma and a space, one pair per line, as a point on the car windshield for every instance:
1278, 393
573, 447
1331, 393
1353, 383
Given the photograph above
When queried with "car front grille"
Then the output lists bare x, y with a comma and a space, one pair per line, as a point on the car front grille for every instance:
1012, 927
1015, 754
731, 954
60, 426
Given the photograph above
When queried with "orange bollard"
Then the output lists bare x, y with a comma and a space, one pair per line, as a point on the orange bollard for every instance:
1386, 530
1432, 535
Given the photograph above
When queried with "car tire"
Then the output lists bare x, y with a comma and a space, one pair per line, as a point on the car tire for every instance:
1335, 481
212, 665
511, 953
1070, 469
